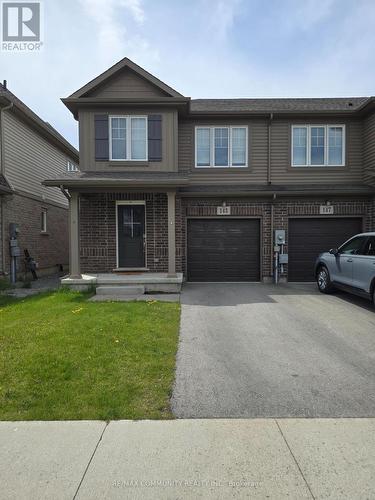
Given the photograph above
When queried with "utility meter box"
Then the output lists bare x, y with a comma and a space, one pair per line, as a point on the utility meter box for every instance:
13, 230
279, 237
283, 258
15, 251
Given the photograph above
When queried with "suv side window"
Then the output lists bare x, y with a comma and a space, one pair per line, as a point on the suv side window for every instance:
353, 247
370, 247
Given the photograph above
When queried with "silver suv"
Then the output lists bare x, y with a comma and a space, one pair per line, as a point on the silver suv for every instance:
350, 267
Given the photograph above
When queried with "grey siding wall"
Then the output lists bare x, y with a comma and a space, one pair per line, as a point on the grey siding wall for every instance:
126, 84
30, 159
369, 149
281, 170
169, 142
256, 171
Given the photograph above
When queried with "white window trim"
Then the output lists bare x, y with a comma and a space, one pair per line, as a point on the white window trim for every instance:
308, 145
128, 137
43, 214
71, 167
212, 146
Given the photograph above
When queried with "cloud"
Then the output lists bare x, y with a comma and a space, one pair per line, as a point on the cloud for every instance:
305, 15
135, 7
222, 15
111, 25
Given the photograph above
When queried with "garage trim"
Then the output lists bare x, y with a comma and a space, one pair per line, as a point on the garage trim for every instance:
225, 217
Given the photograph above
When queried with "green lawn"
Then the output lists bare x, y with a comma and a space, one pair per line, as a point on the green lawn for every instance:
62, 357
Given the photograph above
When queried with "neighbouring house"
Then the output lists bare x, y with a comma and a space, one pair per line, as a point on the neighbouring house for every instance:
196, 188
33, 217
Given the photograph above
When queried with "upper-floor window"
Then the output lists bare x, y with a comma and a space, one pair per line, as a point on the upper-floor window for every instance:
221, 146
71, 167
318, 145
128, 138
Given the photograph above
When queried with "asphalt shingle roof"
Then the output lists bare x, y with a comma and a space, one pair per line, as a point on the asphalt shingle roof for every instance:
277, 105
103, 177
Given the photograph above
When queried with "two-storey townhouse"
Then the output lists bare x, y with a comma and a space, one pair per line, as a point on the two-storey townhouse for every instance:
31, 150
198, 187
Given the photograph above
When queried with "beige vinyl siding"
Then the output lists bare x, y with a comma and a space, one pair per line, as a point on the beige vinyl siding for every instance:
30, 159
369, 149
283, 173
169, 142
124, 85
255, 172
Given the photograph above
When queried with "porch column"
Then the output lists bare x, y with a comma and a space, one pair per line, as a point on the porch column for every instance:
171, 233
74, 261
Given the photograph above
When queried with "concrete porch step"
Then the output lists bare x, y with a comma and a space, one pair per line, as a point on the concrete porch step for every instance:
120, 290
160, 297
149, 282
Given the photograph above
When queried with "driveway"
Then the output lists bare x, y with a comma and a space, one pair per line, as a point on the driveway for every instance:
255, 350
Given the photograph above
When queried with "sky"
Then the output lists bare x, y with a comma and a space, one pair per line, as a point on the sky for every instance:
202, 48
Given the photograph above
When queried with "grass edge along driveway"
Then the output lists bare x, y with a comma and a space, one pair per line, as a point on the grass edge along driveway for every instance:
63, 358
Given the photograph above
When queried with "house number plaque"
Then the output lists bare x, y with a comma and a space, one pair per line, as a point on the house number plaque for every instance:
223, 210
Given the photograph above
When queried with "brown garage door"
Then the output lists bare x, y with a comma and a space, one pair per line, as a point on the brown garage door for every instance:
223, 250
309, 237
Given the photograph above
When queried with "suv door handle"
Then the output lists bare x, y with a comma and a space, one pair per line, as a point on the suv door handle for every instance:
349, 260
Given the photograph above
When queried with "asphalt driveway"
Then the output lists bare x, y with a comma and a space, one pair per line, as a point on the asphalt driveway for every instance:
255, 350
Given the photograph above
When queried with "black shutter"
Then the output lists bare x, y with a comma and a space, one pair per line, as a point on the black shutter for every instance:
154, 138
101, 137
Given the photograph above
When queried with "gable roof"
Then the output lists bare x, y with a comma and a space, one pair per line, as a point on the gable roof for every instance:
116, 68
282, 105
43, 127
86, 96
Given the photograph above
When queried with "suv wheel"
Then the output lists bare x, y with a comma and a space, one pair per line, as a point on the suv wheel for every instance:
323, 280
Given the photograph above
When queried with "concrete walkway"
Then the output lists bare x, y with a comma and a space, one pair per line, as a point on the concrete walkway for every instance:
38, 286
188, 459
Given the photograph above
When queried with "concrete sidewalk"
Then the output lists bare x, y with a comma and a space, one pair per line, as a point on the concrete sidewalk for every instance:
218, 459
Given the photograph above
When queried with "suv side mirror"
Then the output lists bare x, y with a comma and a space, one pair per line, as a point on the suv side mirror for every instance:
334, 251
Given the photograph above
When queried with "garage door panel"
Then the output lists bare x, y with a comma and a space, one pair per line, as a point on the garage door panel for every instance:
308, 237
223, 250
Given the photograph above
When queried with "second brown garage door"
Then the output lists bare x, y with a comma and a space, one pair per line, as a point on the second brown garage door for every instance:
308, 237
223, 250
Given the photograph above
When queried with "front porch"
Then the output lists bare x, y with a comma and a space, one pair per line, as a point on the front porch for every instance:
123, 242
122, 228
148, 282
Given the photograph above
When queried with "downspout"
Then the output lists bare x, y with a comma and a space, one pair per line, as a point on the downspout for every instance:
2, 171
272, 233
269, 182
269, 149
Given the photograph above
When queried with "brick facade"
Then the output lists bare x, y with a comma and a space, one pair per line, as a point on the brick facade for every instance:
98, 224
372, 214
98, 230
50, 249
